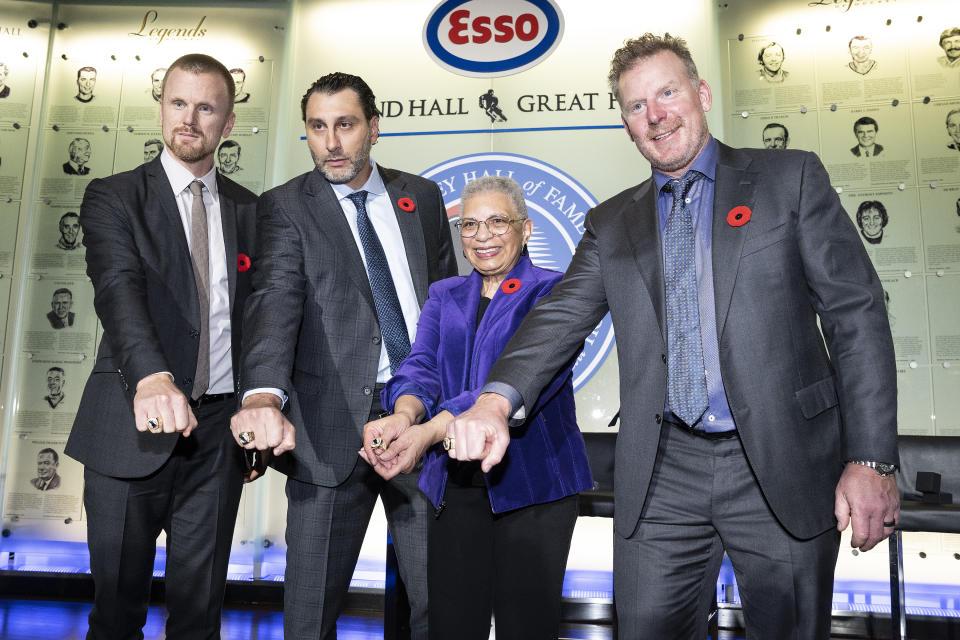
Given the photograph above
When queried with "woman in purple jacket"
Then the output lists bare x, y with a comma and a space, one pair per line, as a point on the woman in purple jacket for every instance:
498, 541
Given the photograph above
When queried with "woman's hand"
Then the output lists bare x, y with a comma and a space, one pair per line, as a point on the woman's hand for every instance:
404, 451
380, 434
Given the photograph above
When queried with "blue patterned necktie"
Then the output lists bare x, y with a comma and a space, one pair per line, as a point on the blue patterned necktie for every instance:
393, 329
686, 380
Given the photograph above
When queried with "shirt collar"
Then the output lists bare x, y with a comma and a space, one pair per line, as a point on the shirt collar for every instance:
180, 177
373, 186
705, 163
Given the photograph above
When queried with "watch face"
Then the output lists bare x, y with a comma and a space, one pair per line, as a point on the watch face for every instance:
885, 468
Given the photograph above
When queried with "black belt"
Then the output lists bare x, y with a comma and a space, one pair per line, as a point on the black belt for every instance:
700, 433
208, 398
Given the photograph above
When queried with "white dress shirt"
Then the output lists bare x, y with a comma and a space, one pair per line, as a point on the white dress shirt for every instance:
221, 364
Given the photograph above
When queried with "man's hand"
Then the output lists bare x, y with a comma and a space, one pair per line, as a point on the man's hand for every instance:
260, 416
157, 398
867, 500
481, 432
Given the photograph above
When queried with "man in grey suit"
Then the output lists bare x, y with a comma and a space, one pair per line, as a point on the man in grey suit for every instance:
739, 432
347, 252
152, 430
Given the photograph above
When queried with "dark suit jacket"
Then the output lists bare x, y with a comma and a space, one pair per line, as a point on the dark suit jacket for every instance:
80, 171
311, 327
451, 357
146, 298
800, 412
877, 148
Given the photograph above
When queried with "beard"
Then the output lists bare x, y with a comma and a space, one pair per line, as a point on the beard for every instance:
681, 158
189, 152
357, 163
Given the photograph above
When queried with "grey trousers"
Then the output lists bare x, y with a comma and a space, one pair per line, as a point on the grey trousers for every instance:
325, 529
704, 500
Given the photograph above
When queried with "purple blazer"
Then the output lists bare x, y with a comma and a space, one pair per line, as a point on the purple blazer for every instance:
449, 361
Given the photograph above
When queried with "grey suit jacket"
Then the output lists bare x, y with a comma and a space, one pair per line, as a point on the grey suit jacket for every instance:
311, 327
800, 412
146, 298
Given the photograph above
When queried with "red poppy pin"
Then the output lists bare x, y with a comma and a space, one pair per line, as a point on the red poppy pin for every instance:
406, 204
510, 286
739, 216
243, 262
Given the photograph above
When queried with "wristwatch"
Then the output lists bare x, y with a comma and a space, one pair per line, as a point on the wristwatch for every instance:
882, 468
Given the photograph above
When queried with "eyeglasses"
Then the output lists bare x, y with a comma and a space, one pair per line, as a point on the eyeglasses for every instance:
496, 226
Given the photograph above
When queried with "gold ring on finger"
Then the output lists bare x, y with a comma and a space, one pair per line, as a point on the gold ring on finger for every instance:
155, 424
245, 437
449, 443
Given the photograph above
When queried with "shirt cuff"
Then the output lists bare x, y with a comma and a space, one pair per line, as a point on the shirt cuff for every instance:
277, 392
518, 413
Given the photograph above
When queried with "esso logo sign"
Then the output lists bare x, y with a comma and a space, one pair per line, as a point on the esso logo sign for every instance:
490, 38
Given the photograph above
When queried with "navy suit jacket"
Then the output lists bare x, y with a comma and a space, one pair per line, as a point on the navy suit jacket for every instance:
802, 405
450, 359
146, 298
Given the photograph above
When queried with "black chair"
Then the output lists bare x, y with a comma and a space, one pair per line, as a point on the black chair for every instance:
598, 503
929, 473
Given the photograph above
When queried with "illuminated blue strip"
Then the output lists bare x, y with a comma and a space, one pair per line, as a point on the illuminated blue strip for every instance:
516, 130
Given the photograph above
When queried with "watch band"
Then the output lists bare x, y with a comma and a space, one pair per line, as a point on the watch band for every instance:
882, 468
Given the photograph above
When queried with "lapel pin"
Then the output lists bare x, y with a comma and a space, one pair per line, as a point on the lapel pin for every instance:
510, 286
739, 216
406, 204
243, 262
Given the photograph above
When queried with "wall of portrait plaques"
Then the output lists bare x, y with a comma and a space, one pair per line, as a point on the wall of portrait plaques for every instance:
874, 89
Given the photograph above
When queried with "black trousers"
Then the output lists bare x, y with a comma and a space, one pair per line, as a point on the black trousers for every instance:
193, 497
511, 565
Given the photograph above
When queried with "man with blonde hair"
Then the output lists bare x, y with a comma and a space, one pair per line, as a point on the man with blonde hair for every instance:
742, 429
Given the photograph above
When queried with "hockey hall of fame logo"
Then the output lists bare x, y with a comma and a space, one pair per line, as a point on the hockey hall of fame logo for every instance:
556, 203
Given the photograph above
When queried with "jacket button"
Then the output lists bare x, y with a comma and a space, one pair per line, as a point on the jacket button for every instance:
663, 357
367, 391
188, 382
658, 418
194, 333
376, 339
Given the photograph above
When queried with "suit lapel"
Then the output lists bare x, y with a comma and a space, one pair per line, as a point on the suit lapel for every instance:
467, 296
163, 216
734, 187
228, 220
642, 230
410, 230
321, 202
